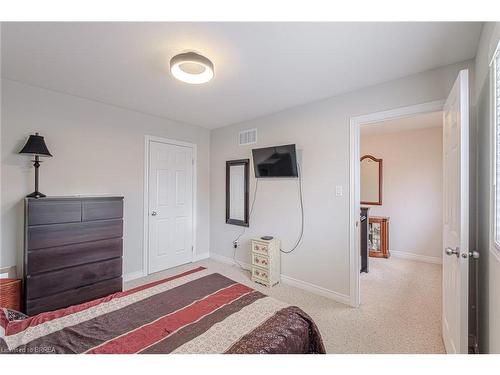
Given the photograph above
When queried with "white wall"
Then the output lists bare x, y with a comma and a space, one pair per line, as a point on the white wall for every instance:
321, 132
98, 149
412, 189
489, 263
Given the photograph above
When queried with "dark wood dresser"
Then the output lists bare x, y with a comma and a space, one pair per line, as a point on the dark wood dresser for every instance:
72, 251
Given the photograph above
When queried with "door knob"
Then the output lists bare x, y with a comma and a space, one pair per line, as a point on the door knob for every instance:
474, 254
450, 251
153, 213
471, 254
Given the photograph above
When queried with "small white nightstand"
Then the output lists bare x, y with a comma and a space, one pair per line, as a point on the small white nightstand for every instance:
266, 261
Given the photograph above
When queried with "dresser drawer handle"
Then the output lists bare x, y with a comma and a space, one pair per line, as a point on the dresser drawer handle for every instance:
261, 274
259, 261
262, 248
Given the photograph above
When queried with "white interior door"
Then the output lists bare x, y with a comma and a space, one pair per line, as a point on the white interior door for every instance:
170, 205
456, 217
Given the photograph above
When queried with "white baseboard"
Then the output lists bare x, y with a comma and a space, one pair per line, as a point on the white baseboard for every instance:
133, 275
315, 289
138, 274
227, 260
202, 256
417, 257
304, 285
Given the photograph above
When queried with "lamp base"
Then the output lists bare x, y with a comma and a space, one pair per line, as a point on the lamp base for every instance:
36, 194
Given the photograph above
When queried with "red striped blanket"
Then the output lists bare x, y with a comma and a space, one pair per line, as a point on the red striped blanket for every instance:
194, 312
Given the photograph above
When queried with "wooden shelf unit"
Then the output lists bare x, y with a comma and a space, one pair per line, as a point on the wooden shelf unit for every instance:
379, 241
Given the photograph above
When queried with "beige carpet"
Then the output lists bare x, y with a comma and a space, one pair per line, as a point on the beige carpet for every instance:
400, 311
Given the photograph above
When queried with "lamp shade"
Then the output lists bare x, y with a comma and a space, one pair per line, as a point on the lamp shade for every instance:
35, 146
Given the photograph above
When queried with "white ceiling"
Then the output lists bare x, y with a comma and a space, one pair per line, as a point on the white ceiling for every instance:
260, 68
422, 121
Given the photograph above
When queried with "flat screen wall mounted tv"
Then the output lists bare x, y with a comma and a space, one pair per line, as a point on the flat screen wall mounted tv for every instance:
276, 161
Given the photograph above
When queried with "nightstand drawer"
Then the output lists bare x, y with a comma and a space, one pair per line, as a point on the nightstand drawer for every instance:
260, 260
260, 274
260, 248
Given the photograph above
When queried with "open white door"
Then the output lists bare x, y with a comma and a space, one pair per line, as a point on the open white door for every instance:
170, 205
456, 217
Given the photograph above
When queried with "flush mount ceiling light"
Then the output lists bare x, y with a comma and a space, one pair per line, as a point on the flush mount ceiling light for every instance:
192, 68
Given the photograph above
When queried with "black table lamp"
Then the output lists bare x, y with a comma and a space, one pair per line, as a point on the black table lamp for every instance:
36, 146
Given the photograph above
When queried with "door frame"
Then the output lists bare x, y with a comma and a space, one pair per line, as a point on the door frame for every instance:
354, 182
145, 244
494, 248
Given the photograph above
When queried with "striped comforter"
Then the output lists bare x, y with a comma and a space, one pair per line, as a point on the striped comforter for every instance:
194, 312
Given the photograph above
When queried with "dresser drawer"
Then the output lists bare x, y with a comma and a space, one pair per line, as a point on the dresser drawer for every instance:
42, 212
102, 209
52, 235
260, 261
260, 274
72, 278
53, 258
73, 296
260, 248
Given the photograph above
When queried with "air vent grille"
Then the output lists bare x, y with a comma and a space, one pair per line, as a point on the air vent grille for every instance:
247, 137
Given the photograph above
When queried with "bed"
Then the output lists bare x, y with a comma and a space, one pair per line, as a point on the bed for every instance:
194, 312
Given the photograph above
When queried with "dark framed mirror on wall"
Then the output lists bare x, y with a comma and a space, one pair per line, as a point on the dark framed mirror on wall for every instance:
237, 187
